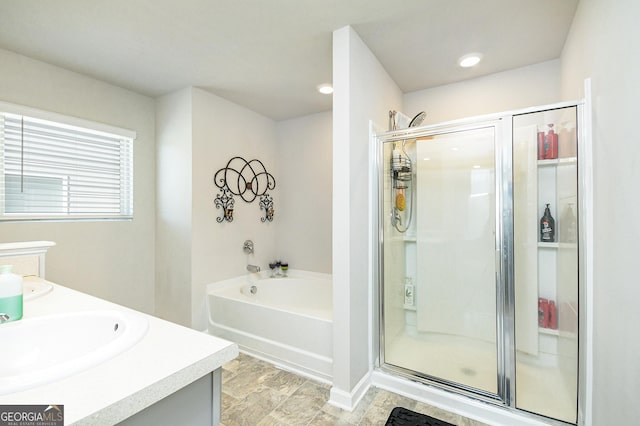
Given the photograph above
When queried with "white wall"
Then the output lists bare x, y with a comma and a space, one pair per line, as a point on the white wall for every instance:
537, 84
222, 130
198, 133
304, 208
363, 92
602, 45
112, 260
174, 206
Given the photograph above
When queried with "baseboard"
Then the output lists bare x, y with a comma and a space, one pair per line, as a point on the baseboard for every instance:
348, 400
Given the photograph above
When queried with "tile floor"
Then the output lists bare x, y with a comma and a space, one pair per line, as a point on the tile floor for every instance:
256, 393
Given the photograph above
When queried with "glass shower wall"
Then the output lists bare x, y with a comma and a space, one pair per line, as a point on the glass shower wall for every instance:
546, 262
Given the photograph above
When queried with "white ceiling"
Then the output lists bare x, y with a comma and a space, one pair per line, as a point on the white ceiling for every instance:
269, 55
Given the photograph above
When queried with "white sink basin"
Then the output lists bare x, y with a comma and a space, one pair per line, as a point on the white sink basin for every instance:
32, 288
44, 349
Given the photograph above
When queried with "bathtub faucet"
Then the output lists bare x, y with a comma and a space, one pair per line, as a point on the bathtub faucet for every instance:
253, 268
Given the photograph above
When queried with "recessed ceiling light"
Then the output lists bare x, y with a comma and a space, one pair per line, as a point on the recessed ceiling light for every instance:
325, 88
470, 60
476, 166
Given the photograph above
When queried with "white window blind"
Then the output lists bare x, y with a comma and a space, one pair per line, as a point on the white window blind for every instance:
52, 170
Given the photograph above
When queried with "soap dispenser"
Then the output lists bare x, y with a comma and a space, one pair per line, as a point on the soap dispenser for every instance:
10, 294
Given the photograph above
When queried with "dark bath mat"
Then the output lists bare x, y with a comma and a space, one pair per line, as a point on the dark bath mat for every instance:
402, 417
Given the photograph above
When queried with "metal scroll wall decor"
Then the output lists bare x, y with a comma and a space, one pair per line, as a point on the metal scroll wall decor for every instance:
248, 180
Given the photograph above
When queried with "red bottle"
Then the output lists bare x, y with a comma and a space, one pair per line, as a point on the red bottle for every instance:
541, 137
543, 313
551, 144
554, 146
553, 316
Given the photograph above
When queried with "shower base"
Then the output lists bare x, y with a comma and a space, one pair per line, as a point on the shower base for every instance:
539, 389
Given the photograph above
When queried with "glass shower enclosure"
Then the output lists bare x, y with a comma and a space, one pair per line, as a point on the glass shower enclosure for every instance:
478, 288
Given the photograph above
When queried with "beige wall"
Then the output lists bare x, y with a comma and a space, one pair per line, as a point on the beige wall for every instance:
602, 45
304, 156
112, 260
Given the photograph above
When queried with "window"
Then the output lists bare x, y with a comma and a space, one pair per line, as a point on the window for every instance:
52, 170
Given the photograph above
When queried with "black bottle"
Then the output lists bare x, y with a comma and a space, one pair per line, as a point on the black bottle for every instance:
547, 227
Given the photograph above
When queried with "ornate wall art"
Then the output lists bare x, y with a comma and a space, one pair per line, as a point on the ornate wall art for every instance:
248, 180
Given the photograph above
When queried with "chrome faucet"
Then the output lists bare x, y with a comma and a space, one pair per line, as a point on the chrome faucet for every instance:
4, 318
247, 247
253, 268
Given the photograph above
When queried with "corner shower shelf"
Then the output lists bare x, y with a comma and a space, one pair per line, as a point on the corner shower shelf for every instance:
557, 161
548, 245
557, 245
558, 333
548, 331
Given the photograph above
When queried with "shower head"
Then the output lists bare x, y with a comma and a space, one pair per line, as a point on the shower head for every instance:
418, 119
399, 121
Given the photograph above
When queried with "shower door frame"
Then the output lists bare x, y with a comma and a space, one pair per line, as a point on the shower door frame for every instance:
503, 242
505, 294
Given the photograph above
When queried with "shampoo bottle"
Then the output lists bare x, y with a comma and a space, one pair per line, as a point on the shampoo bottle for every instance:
551, 146
543, 312
547, 227
553, 315
541, 143
10, 294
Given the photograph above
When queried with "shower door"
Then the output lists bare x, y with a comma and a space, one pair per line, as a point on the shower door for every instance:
441, 265
479, 259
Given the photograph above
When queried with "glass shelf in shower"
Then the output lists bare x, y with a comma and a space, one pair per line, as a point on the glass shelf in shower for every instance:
558, 161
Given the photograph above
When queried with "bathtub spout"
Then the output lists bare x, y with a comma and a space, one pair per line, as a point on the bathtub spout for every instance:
253, 268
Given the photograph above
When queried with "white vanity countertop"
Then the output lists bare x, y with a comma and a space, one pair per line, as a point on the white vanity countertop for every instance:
167, 358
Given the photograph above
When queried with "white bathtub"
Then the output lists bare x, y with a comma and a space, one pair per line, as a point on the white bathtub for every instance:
288, 321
